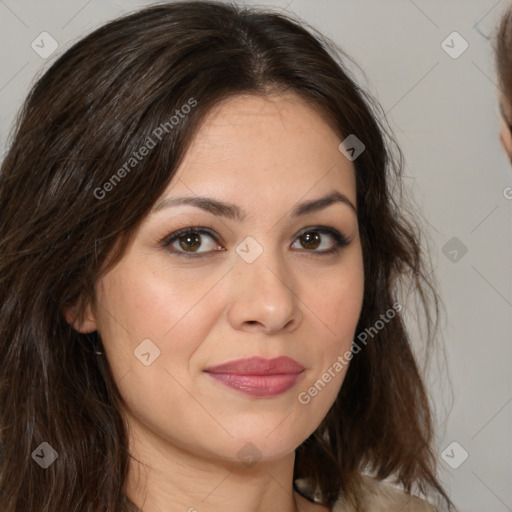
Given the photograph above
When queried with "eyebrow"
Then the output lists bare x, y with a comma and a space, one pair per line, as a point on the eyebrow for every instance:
232, 211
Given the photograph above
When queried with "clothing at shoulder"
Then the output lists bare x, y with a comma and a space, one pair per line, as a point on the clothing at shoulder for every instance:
382, 496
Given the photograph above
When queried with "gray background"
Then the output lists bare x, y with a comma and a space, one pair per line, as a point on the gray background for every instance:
443, 112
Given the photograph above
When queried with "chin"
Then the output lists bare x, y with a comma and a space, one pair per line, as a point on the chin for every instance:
250, 450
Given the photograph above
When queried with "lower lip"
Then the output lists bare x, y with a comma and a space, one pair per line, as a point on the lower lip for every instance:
258, 385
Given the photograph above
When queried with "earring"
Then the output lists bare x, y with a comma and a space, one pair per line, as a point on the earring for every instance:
97, 352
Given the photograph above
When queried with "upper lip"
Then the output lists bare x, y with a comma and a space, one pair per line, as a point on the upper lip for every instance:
258, 366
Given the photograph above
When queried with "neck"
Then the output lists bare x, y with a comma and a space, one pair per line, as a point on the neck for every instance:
163, 477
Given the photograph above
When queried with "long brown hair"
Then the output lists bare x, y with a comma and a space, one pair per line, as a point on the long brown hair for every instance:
81, 122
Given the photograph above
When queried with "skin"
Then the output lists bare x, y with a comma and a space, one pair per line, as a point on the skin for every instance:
505, 123
265, 155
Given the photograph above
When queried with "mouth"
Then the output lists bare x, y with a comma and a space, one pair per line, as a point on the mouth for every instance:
257, 376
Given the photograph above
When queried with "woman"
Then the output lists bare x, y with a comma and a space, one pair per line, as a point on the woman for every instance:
201, 272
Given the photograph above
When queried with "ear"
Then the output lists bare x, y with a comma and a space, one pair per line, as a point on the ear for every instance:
83, 324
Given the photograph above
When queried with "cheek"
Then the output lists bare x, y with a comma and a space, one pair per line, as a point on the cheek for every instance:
341, 297
175, 312
151, 327
335, 309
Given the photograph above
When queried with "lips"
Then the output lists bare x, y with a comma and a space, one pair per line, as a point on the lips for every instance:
259, 377
259, 366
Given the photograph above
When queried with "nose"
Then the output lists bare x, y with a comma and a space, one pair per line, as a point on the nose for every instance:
263, 297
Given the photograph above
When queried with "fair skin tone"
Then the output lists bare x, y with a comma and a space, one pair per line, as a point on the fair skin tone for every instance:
505, 132
264, 155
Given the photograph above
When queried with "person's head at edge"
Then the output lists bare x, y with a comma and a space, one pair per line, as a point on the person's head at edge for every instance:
503, 60
82, 258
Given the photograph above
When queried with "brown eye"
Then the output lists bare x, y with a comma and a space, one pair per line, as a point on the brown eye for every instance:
190, 241
187, 242
310, 240
329, 240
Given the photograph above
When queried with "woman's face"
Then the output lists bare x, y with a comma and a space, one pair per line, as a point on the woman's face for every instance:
253, 279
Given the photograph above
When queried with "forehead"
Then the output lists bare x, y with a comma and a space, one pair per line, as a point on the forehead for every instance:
285, 105
278, 139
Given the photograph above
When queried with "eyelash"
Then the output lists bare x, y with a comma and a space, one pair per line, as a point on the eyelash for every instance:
340, 240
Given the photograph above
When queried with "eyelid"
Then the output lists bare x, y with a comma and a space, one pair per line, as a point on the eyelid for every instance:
324, 229
195, 229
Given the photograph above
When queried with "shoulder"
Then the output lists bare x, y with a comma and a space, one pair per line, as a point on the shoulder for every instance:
382, 496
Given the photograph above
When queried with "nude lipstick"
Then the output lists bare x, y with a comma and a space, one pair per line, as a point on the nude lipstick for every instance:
257, 376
